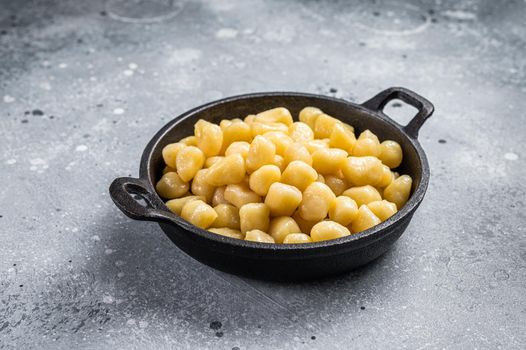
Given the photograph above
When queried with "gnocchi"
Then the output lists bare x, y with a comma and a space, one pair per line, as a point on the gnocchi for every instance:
269, 178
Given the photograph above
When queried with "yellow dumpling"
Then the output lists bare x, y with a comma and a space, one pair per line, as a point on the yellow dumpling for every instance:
296, 238
172, 186
317, 199
199, 213
209, 137
364, 220
281, 226
261, 179
282, 199
299, 175
228, 170
326, 230
188, 162
399, 190
254, 216
261, 152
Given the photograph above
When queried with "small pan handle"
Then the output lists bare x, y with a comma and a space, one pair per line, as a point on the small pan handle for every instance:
425, 108
122, 190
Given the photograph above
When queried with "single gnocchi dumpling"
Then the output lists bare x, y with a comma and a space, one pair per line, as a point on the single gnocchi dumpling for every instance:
297, 151
254, 216
316, 201
275, 115
259, 236
209, 137
364, 220
228, 170
201, 187
240, 194
282, 226
261, 152
299, 174
398, 191
283, 199
188, 162
172, 186
297, 238
238, 131
227, 232
326, 230
227, 216
261, 179
199, 213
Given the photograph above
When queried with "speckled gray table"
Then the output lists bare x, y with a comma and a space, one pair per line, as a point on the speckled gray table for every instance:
81, 93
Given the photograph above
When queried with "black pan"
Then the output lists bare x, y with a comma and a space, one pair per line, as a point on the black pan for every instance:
282, 261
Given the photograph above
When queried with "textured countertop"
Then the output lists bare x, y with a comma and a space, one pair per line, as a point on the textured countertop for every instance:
82, 92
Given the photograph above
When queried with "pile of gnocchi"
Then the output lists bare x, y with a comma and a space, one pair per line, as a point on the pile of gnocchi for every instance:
270, 179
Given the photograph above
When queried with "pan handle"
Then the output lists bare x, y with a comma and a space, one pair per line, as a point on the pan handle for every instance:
122, 190
425, 108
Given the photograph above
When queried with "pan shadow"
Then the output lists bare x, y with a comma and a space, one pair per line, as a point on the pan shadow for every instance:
147, 275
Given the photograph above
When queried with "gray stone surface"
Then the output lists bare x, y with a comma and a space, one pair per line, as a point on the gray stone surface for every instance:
76, 273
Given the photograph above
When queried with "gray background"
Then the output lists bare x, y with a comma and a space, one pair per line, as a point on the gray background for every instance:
82, 93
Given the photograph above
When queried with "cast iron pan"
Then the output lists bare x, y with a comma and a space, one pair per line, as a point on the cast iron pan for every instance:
282, 261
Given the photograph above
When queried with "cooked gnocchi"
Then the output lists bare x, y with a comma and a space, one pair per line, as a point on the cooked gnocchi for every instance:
271, 179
